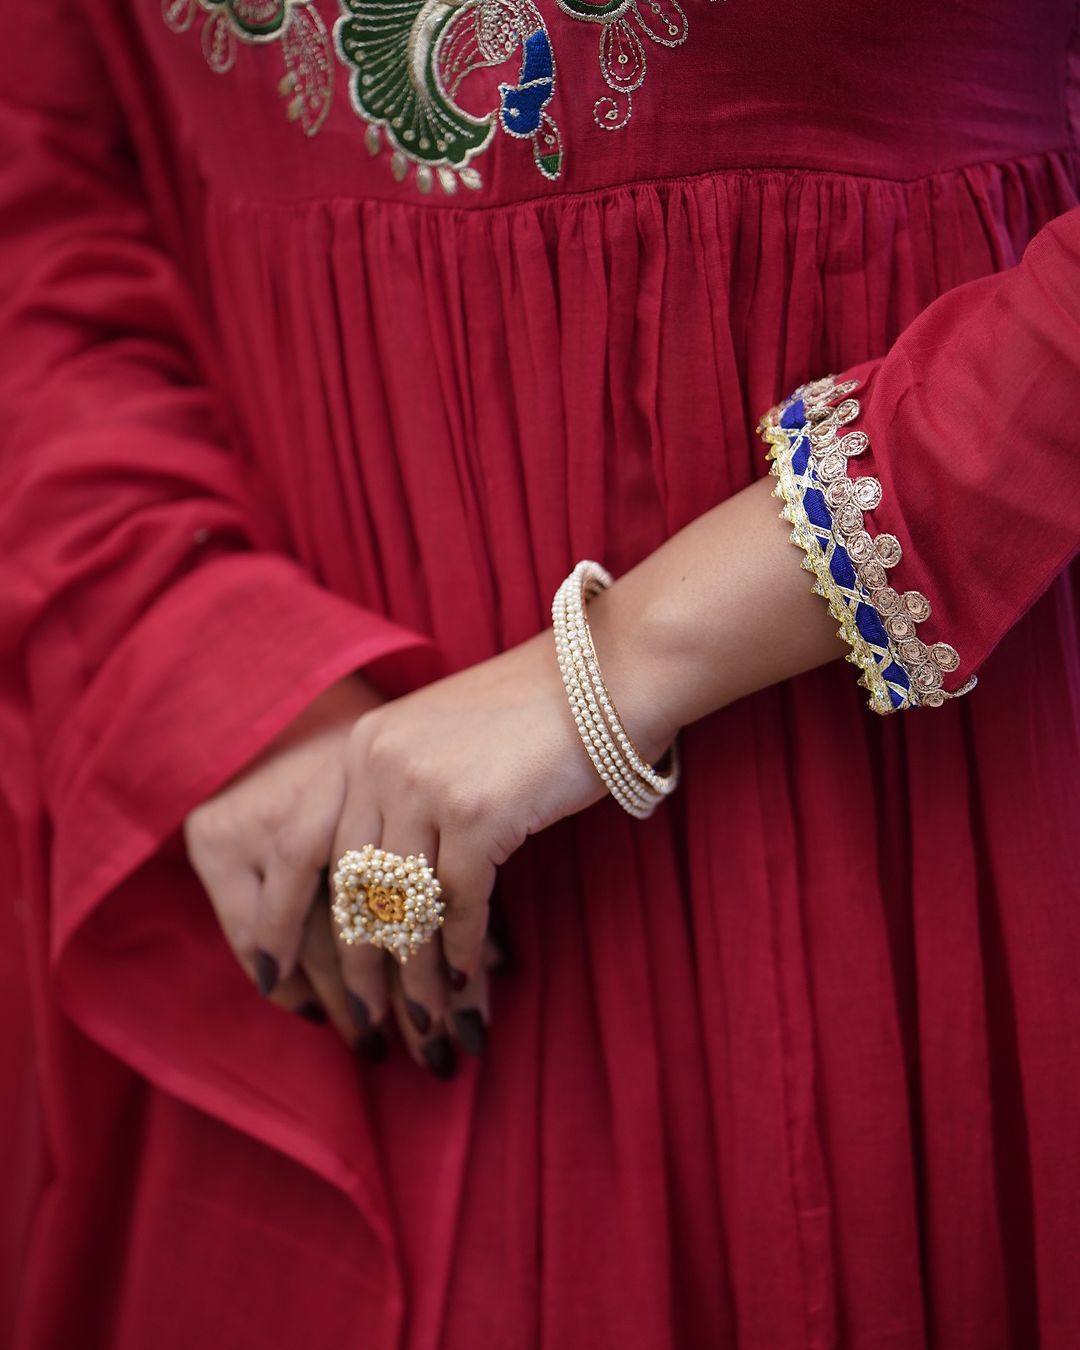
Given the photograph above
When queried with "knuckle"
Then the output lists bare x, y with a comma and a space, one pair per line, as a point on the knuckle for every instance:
295, 847
289, 848
204, 829
415, 779
466, 806
363, 737
389, 758
269, 814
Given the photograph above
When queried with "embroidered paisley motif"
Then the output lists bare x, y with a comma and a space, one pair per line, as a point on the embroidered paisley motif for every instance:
411, 61
308, 82
417, 70
623, 58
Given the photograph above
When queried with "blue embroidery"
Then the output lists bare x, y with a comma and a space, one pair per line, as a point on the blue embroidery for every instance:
409, 61
523, 104
841, 568
837, 564
825, 508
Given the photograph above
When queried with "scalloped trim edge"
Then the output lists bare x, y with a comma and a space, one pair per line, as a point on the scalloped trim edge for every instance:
886, 696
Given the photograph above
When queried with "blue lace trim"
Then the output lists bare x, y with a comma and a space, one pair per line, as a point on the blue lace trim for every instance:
825, 506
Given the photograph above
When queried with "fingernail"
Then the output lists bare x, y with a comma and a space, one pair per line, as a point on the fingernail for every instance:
266, 972
439, 1057
471, 1031
418, 1016
458, 979
373, 1046
358, 1011
312, 1012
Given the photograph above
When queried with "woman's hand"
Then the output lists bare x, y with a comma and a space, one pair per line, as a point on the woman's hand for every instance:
466, 769
261, 847
260, 844
461, 771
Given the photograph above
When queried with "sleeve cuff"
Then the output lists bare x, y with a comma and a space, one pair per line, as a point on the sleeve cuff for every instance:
827, 507
207, 678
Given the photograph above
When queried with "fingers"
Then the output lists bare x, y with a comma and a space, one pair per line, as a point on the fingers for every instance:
233, 890
419, 988
320, 961
297, 995
297, 858
432, 1050
469, 1015
467, 879
422, 977
363, 967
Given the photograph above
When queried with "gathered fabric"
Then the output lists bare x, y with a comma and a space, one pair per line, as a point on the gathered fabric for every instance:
788, 1066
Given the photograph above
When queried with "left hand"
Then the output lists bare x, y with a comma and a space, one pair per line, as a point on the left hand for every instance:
462, 771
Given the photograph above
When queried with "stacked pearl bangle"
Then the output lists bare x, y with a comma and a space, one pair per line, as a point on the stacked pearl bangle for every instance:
634, 784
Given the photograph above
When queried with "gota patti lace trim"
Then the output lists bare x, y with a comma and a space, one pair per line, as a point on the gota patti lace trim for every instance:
826, 508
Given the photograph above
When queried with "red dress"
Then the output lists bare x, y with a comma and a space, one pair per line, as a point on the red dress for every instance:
332, 338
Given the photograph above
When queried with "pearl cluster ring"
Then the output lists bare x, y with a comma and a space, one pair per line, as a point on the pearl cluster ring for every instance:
387, 900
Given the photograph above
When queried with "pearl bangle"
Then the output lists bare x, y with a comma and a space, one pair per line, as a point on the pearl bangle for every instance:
634, 783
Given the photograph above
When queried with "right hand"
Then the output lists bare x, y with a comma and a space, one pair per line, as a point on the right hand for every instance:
263, 861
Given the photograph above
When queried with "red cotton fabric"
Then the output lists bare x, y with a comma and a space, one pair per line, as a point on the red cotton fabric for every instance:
790, 1066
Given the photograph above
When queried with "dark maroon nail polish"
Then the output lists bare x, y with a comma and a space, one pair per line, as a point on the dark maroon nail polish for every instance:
266, 972
358, 1011
457, 978
418, 1016
439, 1057
373, 1046
312, 1012
471, 1031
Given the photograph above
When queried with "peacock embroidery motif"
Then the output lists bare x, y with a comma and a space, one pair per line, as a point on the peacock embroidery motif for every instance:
437, 81
424, 76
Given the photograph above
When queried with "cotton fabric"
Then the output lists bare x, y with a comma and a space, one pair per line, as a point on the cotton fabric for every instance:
792, 1064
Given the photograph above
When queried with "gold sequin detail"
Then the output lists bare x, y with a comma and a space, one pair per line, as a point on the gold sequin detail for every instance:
848, 498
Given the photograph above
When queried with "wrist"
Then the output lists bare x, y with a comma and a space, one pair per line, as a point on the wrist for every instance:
636, 669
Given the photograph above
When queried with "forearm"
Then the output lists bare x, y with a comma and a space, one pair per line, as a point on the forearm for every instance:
721, 609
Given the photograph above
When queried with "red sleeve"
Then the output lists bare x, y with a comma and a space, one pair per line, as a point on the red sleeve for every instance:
156, 640
934, 492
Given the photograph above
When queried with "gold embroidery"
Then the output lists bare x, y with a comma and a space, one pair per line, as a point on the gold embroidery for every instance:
825, 507
308, 82
623, 55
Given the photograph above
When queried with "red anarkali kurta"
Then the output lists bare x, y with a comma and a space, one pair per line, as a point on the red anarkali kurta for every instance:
331, 340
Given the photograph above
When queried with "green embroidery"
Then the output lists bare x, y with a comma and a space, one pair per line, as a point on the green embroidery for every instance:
308, 82
416, 70
256, 19
411, 61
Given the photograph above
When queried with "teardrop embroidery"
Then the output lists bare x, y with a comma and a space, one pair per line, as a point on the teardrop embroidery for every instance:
623, 55
308, 81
